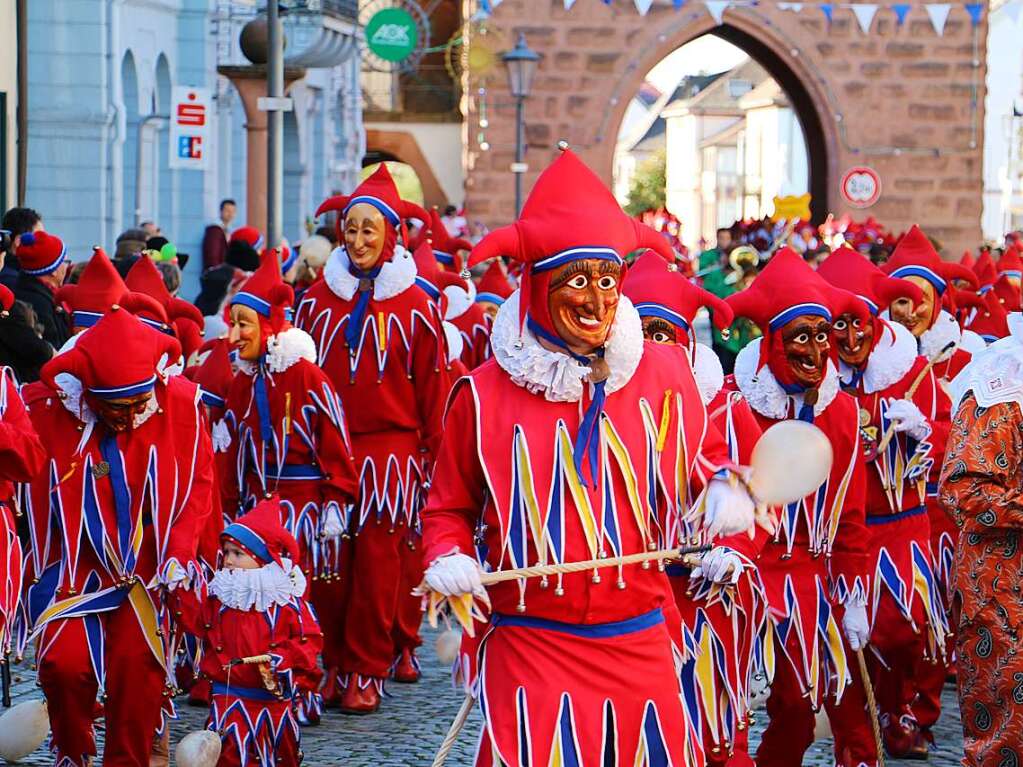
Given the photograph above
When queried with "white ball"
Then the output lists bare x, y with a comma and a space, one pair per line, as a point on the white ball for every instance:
23, 729
198, 749
448, 645
790, 460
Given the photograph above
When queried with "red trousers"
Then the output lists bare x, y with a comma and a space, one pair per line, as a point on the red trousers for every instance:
790, 731
135, 682
410, 611
327, 598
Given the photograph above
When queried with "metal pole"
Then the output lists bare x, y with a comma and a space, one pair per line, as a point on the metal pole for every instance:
275, 130
518, 155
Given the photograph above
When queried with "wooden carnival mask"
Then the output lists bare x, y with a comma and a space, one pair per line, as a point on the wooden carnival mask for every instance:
365, 234
246, 335
853, 339
582, 301
919, 318
659, 330
805, 342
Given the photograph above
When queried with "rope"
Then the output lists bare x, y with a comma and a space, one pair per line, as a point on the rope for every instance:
868, 688
456, 727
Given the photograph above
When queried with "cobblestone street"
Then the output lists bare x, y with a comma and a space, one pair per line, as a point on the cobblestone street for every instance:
415, 718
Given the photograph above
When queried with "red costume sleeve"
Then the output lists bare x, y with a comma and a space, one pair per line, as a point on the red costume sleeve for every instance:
935, 404
183, 542
21, 453
227, 470
431, 381
295, 658
458, 493
333, 446
980, 480
850, 569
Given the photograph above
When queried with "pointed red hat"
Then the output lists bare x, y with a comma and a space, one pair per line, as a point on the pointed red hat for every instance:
6, 300
446, 247
569, 215
987, 274
1008, 294
266, 293
117, 357
493, 286
148, 310
98, 288
849, 270
656, 290
991, 322
1010, 263
915, 256
145, 277
968, 260
214, 374
261, 533
379, 191
427, 270
40, 253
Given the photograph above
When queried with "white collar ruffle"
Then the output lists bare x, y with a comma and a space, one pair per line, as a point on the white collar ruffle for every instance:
284, 350
765, 395
972, 342
260, 588
558, 376
396, 276
995, 375
891, 358
459, 300
70, 390
707, 371
945, 330
456, 345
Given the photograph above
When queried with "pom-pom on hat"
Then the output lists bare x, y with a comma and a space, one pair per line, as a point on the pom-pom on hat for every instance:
40, 253
261, 534
657, 290
267, 295
446, 247
915, 256
6, 300
98, 288
118, 357
493, 286
849, 270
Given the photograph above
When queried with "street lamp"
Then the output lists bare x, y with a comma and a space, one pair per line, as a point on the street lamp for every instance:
521, 62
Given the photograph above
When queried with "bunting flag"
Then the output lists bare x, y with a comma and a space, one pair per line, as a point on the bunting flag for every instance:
716, 8
1013, 9
643, 6
901, 11
976, 11
864, 14
679, 3
827, 9
569, 4
797, 7
939, 15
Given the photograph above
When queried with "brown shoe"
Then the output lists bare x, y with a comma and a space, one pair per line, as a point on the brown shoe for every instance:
406, 670
358, 700
898, 739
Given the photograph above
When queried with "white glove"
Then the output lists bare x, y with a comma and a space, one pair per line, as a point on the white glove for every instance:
856, 626
174, 574
908, 419
729, 510
454, 575
720, 565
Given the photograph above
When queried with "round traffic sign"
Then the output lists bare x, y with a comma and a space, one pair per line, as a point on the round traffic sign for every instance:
861, 186
392, 34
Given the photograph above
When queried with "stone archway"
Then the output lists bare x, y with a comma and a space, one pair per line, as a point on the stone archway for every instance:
902, 99
402, 146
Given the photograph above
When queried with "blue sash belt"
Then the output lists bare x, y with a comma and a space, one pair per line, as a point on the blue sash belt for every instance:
585, 630
884, 519
250, 693
678, 571
294, 471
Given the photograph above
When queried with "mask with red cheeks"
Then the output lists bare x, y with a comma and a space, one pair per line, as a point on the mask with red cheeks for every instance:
662, 332
118, 415
582, 300
800, 350
917, 318
853, 339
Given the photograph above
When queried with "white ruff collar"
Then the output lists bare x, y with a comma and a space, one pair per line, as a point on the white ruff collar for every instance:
456, 344
259, 588
945, 330
284, 350
707, 371
557, 375
69, 389
972, 342
995, 375
459, 301
765, 395
396, 276
889, 361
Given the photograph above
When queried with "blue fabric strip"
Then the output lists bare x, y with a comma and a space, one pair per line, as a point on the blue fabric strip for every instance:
874, 309
575, 254
83, 319
250, 693
211, 399
355, 320
884, 519
247, 538
656, 310
122, 497
428, 287
294, 471
799, 310
805, 411
445, 258
389, 213
52, 267
677, 571
913, 270
585, 630
257, 304
119, 392
492, 298
932, 488
262, 406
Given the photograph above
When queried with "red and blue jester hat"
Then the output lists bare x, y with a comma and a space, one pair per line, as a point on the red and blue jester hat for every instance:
570, 215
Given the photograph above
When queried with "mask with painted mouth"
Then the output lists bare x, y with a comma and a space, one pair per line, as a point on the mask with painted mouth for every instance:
917, 320
365, 235
119, 415
246, 335
853, 339
805, 343
582, 301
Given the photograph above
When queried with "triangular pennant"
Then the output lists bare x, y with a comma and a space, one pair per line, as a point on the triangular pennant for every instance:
797, 7
864, 15
569, 4
827, 9
679, 4
901, 11
1013, 9
643, 6
939, 15
716, 8
976, 11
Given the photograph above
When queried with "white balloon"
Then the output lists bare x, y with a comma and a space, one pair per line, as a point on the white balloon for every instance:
23, 729
790, 460
448, 645
198, 749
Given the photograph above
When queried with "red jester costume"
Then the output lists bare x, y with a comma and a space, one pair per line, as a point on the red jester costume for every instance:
939, 339
379, 339
288, 436
726, 621
900, 399
577, 440
115, 514
98, 288
815, 567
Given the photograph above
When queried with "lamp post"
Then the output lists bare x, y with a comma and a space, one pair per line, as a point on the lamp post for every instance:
521, 63
275, 134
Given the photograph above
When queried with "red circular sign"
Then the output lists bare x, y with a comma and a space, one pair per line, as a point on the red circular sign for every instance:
861, 186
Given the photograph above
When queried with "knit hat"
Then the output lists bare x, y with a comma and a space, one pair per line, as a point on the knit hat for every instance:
6, 300
117, 358
40, 253
261, 534
657, 290
570, 215
493, 286
98, 288
268, 296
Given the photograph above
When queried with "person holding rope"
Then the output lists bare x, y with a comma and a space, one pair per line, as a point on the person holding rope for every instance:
903, 412
575, 442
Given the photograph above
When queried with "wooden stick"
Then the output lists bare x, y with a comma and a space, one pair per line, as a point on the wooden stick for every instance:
456, 727
248, 661
591, 564
868, 688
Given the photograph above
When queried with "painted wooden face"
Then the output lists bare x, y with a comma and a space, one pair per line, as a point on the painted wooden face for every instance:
919, 318
659, 331
805, 341
246, 335
853, 339
365, 233
582, 301
119, 414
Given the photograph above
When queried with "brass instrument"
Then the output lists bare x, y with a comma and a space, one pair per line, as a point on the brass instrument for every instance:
744, 261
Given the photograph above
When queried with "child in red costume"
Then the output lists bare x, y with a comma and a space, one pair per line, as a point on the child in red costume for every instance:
288, 436
380, 341
253, 606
